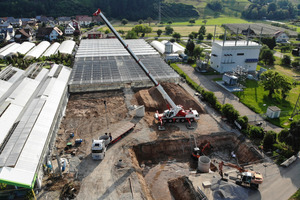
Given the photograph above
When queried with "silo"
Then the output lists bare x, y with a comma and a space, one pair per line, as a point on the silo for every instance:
204, 164
168, 48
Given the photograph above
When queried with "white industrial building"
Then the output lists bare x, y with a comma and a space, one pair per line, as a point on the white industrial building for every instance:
37, 51
51, 50
227, 55
66, 47
32, 103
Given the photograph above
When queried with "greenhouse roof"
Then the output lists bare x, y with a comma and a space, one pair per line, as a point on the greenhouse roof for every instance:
37, 51
51, 50
66, 47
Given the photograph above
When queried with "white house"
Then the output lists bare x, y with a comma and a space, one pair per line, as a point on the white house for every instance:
69, 30
281, 37
84, 20
226, 56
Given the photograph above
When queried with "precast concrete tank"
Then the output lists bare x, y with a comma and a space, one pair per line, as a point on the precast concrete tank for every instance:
168, 48
204, 164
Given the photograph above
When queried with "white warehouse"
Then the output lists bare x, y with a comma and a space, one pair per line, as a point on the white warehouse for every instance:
226, 56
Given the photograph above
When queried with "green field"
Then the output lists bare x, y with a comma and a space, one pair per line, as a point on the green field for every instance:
256, 98
215, 21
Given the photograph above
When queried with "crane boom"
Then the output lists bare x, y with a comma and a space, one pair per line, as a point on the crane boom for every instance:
138, 61
176, 112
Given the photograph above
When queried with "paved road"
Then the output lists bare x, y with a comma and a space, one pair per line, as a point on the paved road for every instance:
224, 96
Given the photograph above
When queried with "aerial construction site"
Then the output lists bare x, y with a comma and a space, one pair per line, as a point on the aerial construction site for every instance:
163, 142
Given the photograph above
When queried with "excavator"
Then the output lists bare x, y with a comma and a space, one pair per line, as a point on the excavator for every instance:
245, 177
197, 152
174, 113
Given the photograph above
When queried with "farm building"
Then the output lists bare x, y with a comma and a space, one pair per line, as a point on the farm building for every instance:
257, 29
51, 50
37, 51
66, 47
32, 104
226, 56
105, 64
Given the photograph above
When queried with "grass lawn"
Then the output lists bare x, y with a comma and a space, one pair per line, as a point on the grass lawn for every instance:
254, 96
183, 30
216, 21
295, 196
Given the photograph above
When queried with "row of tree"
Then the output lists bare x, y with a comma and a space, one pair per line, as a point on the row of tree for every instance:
129, 9
278, 10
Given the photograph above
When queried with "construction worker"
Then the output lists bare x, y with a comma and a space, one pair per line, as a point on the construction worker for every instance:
110, 137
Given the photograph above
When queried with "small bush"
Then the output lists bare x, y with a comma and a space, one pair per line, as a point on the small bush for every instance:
256, 132
229, 112
269, 140
243, 121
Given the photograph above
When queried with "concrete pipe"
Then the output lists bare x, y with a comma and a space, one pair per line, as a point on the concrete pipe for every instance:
204, 164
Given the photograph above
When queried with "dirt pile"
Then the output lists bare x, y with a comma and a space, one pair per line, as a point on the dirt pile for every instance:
182, 188
153, 100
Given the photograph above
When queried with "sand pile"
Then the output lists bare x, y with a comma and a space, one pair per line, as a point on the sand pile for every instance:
153, 100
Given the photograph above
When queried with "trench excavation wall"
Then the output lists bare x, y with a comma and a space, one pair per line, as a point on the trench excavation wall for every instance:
161, 150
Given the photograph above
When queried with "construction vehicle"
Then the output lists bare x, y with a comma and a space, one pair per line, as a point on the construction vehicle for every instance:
100, 146
197, 152
245, 177
175, 113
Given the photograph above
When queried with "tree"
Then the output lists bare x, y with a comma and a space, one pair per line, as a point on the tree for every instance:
192, 21
124, 21
159, 32
200, 37
269, 41
229, 112
209, 36
195, 34
107, 31
177, 36
256, 132
190, 46
149, 20
274, 81
295, 135
266, 55
191, 36
202, 30
286, 60
269, 140
197, 52
170, 22
131, 35
121, 32
204, 21
169, 30
141, 21
138, 29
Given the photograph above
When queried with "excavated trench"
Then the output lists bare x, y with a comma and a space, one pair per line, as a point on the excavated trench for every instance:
163, 160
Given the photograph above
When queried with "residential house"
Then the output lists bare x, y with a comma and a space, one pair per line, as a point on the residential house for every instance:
63, 20
226, 56
2, 20
75, 24
49, 33
31, 30
23, 35
7, 31
14, 22
95, 35
110, 35
84, 20
69, 30
281, 37
30, 21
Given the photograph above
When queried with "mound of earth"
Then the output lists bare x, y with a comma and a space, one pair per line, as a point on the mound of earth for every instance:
153, 100
182, 188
